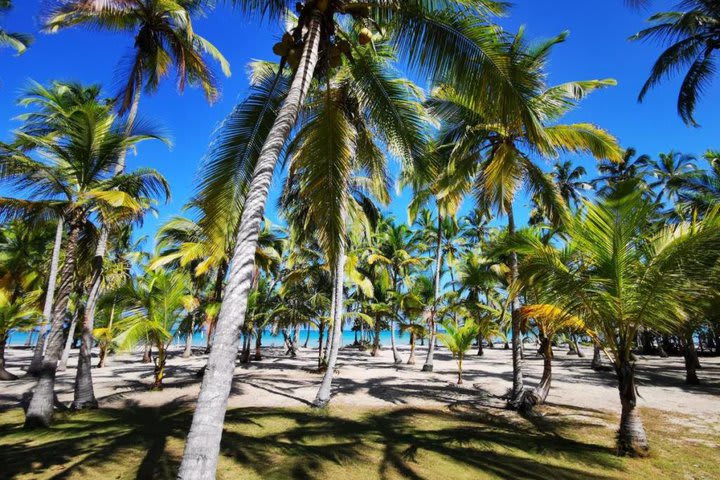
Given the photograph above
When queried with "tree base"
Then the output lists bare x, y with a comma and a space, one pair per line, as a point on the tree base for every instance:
427, 368
7, 376
85, 405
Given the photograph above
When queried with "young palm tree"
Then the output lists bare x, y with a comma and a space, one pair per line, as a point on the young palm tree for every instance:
440, 38
16, 313
618, 274
80, 158
17, 41
499, 150
155, 305
458, 339
690, 34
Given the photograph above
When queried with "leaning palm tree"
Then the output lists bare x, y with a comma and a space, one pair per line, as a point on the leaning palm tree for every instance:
619, 273
449, 39
690, 34
78, 173
500, 150
17, 41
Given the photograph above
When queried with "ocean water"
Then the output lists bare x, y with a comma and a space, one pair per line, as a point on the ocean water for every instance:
268, 339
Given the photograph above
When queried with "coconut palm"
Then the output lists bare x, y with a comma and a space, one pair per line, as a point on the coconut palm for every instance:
569, 181
500, 151
619, 274
669, 174
155, 305
701, 191
16, 313
77, 173
614, 173
458, 339
690, 34
17, 41
436, 38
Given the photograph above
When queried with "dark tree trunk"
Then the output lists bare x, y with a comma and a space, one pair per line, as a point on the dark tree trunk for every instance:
631, 440
428, 366
159, 367
307, 337
376, 339
217, 297
258, 345
321, 334
40, 410
597, 358
480, 351
4, 374
147, 354
245, 357
691, 361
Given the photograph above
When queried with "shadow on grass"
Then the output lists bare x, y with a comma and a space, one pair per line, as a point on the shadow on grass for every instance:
146, 443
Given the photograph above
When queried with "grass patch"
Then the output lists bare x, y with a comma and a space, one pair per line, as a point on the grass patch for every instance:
563, 444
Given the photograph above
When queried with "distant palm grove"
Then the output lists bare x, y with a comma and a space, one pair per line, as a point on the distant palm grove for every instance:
624, 260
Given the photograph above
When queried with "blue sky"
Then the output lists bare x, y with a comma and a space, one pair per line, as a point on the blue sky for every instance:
596, 48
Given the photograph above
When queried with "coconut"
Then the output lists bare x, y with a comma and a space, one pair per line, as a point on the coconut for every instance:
280, 49
365, 36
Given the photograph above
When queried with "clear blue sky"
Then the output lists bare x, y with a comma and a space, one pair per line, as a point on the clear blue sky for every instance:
597, 48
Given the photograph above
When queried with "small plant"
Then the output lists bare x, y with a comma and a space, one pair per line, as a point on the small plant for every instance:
459, 339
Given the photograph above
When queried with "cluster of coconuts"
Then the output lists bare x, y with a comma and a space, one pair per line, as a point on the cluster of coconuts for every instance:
291, 49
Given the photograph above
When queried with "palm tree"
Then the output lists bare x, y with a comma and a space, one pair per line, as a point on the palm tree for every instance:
701, 191
164, 38
17, 41
499, 150
16, 313
77, 173
618, 274
458, 339
155, 304
614, 173
690, 36
569, 182
670, 173
437, 38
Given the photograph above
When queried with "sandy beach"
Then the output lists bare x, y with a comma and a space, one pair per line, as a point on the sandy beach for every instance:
366, 381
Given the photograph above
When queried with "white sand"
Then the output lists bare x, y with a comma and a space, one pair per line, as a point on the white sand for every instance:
367, 381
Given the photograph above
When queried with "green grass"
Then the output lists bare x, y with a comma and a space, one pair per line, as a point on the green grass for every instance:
346, 444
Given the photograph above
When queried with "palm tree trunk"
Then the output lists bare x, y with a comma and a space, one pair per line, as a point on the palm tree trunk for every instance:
480, 351
631, 439
4, 374
580, 354
147, 354
84, 391
321, 334
396, 354
517, 386
62, 364
258, 344
597, 358
543, 388
49, 295
428, 367
40, 410
187, 353
460, 362
159, 367
376, 338
323, 396
691, 361
203, 443
411, 357
217, 296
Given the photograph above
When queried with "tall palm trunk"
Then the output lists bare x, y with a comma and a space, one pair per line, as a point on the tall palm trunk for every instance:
49, 296
323, 396
321, 335
517, 361
376, 338
411, 357
428, 367
203, 443
691, 360
631, 439
62, 364
40, 410
597, 358
4, 374
84, 391
396, 355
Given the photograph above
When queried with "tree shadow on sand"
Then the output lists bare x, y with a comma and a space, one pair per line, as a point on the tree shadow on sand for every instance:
144, 443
